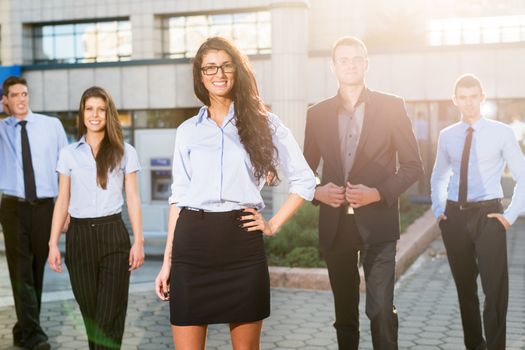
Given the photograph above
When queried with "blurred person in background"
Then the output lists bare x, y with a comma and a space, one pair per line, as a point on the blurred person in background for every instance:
29, 148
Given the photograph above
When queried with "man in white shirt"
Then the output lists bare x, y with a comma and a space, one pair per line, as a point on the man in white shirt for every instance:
466, 200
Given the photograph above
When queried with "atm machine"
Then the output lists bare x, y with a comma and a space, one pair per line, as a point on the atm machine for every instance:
155, 152
160, 178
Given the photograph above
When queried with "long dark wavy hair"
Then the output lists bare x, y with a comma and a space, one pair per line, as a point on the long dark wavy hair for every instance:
251, 115
111, 148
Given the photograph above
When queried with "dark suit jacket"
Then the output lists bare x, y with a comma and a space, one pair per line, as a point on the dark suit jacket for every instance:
387, 158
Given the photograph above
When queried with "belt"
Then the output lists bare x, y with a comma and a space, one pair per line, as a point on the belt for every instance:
473, 205
97, 220
23, 200
197, 209
202, 212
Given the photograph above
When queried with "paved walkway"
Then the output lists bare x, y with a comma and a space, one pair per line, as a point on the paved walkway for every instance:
425, 297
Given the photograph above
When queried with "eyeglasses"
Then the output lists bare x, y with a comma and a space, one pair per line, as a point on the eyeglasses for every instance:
356, 60
212, 70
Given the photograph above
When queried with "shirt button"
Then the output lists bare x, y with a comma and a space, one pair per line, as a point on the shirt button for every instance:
92, 225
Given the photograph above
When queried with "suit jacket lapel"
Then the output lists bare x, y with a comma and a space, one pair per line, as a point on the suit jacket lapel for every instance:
332, 136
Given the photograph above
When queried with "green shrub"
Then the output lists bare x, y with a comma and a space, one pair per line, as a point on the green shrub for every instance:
409, 212
300, 236
297, 243
304, 257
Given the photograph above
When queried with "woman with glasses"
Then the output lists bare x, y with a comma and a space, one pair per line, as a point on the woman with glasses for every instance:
215, 268
93, 172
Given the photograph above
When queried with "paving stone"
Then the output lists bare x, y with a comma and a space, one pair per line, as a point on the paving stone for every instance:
425, 296
293, 344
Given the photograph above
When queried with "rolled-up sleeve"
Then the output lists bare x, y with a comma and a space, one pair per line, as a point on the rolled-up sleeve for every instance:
131, 161
301, 180
63, 164
181, 171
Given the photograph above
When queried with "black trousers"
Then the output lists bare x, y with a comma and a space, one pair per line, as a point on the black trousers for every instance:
97, 252
476, 245
379, 267
26, 231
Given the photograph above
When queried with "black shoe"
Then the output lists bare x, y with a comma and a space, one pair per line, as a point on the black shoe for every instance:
43, 345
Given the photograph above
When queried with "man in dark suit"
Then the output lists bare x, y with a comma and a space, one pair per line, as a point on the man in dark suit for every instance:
370, 156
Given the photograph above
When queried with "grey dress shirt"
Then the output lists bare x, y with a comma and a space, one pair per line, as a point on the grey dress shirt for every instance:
350, 125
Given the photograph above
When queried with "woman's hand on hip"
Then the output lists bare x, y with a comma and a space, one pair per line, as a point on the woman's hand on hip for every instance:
136, 256
257, 222
162, 282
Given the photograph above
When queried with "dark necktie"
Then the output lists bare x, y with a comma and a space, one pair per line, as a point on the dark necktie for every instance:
29, 174
463, 172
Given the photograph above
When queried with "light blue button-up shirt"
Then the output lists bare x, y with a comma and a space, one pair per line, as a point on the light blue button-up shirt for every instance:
493, 146
213, 171
87, 198
46, 137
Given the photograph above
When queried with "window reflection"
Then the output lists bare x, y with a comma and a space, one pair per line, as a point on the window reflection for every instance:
251, 31
69, 120
85, 42
162, 118
476, 30
131, 120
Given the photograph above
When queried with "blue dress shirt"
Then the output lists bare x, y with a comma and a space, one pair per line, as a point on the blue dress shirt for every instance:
493, 146
87, 198
213, 171
46, 138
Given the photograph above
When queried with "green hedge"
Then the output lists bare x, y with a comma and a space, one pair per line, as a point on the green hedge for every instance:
297, 243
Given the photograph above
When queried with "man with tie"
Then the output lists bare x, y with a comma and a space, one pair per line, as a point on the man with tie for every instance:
29, 146
370, 156
466, 200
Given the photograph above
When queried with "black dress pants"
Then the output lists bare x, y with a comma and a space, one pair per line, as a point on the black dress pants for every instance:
97, 252
26, 228
379, 267
476, 245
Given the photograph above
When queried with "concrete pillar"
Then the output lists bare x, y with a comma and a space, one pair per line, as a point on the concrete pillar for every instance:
145, 36
288, 71
12, 33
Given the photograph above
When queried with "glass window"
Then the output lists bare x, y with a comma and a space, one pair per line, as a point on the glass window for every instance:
221, 19
85, 42
251, 31
162, 118
471, 32
476, 30
65, 48
64, 29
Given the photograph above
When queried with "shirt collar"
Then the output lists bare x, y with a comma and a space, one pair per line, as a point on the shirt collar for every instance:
81, 141
13, 121
476, 126
364, 97
203, 114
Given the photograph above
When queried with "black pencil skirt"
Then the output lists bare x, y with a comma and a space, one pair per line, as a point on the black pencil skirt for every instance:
219, 272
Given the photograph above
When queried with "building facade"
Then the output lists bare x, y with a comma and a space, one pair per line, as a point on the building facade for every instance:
140, 51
